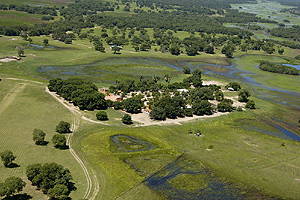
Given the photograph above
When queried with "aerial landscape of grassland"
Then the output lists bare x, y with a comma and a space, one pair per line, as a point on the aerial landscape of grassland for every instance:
245, 153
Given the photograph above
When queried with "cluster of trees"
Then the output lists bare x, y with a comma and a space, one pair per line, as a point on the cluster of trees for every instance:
168, 102
53, 179
83, 94
59, 140
277, 68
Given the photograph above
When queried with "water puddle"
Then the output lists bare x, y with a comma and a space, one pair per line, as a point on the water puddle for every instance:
127, 143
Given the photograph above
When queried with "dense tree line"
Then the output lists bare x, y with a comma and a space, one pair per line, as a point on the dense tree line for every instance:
289, 2
277, 68
234, 16
83, 94
43, 10
189, 5
293, 33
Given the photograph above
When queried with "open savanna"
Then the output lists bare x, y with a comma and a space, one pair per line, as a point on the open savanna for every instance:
25, 106
255, 160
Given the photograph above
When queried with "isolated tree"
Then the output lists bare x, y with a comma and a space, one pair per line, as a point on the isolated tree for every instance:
126, 119
59, 141
63, 127
280, 51
250, 104
20, 50
7, 157
11, 186
46, 42
243, 95
102, 116
38, 136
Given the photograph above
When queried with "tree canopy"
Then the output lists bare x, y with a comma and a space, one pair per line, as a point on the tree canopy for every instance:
53, 179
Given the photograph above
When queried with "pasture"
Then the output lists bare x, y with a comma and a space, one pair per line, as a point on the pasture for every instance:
24, 106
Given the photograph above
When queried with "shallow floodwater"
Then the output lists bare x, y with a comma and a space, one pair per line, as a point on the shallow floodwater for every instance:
183, 179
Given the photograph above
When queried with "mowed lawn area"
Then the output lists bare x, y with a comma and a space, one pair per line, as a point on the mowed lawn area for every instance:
25, 106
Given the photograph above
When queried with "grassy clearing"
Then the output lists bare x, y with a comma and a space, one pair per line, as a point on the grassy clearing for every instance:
33, 108
14, 18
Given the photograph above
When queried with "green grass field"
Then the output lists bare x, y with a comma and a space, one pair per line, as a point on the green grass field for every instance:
23, 107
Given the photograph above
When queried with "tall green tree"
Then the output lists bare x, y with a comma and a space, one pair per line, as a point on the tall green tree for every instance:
243, 95
126, 119
63, 127
59, 141
38, 136
7, 157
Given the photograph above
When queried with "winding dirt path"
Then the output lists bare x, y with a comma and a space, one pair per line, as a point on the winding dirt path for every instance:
75, 125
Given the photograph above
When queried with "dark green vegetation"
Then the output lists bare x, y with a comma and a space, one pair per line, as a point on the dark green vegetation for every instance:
7, 157
38, 136
59, 141
157, 39
63, 127
53, 179
101, 115
83, 94
126, 119
277, 68
11, 186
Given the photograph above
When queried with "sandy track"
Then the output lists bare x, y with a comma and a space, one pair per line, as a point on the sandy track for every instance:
75, 125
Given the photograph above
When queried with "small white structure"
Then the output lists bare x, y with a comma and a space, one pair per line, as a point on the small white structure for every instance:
182, 90
230, 89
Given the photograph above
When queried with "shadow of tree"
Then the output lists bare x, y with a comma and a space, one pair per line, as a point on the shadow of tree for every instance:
13, 165
24, 196
44, 143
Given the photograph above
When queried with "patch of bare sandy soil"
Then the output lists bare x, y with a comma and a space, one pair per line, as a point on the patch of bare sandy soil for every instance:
7, 59
145, 120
